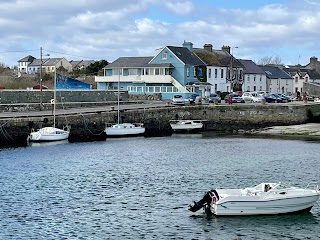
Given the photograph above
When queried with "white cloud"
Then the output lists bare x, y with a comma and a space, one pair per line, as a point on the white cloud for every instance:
109, 29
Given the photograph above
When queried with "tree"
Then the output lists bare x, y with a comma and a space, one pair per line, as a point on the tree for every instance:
275, 60
96, 67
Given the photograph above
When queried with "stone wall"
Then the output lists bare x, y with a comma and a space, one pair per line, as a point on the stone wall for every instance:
312, 89
68, 96
157, 120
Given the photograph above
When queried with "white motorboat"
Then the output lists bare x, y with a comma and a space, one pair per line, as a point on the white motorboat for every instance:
46, 134
125, 129
263, 199
186, 125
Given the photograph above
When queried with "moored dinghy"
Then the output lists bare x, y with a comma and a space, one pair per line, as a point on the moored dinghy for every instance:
263, 199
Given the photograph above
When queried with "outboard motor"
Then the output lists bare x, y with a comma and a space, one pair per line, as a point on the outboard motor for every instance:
205, 201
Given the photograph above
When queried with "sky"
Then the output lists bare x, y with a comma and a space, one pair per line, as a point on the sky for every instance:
108, 29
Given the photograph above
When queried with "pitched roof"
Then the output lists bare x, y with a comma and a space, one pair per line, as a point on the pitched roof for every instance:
129, 62
275, 72
28, 58
185, 55
81, 63
251, 67
217, 57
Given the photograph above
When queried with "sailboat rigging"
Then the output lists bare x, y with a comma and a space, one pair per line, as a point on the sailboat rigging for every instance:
50, 133
123, 129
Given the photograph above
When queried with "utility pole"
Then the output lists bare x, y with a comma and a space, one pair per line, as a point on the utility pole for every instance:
231, 70
40, 78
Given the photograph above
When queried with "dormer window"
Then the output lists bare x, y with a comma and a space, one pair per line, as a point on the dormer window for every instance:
164, 55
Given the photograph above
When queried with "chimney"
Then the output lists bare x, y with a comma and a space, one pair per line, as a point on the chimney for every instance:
226, 49
313, 61
207, 47
188, 45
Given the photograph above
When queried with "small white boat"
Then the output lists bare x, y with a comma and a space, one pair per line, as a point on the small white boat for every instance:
46, 134
125, 129
263, 199
49, 134
186, 125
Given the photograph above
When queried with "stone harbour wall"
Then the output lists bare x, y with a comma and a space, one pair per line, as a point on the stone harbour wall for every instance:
225, 118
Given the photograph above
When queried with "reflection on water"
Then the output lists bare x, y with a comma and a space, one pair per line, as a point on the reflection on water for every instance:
43, 144
140, 188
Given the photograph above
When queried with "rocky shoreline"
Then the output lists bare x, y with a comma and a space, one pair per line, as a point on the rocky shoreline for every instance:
310, 130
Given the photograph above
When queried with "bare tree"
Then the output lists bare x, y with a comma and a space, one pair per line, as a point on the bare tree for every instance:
276, 60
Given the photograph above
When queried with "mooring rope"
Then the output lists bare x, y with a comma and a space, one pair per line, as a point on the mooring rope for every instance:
5, 133
87, 128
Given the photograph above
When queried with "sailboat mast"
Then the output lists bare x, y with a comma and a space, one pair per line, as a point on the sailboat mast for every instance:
119, 96
54, 99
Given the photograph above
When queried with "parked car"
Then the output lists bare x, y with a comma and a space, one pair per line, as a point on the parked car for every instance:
288, 98
178, 100
270, 98
277, 98
251, 97
235, 98
192, 98
213, 97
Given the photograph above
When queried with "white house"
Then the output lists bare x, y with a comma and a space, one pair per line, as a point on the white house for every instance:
255, 79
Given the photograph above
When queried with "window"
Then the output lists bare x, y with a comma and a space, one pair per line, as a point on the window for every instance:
157, 71
221, 73
248, 79
260, 78
254, 78
117, 71
133, 71
307, 79
215, 73
241, 75
161, 71
254, 88
209, 73
248, 88
194, 72
188, 72
296, 79
164, 55
260, 89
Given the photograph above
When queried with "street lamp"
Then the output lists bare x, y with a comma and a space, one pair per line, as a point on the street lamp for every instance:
231, 70
41, 54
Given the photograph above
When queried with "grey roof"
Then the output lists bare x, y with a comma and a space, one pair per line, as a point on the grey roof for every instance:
81, 63
293, 70
129, 62
275, 72
28, 58
160, 65
251, 67
217, 58
45, 62
186, 56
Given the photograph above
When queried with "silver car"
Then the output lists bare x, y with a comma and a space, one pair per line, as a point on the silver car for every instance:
178, 100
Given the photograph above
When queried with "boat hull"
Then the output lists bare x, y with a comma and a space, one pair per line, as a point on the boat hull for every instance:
48, 134
119, 130
267, 207
187, 126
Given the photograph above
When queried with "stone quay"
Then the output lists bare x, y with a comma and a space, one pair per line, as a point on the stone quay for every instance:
89, 125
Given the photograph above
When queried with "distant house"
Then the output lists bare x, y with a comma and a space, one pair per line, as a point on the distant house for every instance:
24, 63
255, 78
49, 65
221, 67
81, 64
172, 70
278, 80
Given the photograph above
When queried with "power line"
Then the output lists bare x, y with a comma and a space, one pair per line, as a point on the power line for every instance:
19, 51
67, 54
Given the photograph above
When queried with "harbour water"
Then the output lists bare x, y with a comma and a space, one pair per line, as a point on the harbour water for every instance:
140, 188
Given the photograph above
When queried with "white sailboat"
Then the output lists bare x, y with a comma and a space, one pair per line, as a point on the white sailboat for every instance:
123, 129
50, 133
